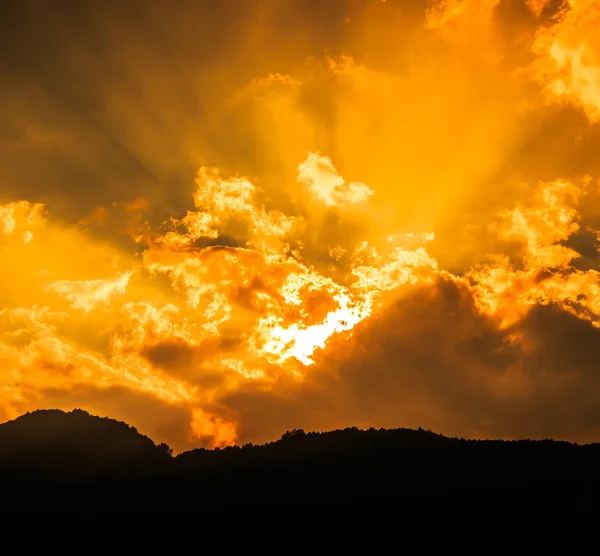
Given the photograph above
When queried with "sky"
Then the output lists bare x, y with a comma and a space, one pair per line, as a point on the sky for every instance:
223, 220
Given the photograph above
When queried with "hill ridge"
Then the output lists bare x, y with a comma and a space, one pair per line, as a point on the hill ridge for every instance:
98, 463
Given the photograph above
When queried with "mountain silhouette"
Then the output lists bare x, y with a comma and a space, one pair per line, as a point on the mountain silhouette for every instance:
59, 460
76, 442
63, 457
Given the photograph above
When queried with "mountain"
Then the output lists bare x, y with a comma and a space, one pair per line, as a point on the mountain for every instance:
52, 460
390, 464
74, 446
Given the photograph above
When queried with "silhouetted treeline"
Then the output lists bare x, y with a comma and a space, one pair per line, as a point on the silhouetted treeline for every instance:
52, 459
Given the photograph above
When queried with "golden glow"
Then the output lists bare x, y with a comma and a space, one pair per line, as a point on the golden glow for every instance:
85, 294
569, 56
319, 175
546, 276
359, 176
443, 13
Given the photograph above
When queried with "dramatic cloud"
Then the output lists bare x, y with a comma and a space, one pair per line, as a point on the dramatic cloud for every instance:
569, 55
391, 219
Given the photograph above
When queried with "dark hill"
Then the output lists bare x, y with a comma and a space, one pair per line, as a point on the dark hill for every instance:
74, 446
351, 463
56, 460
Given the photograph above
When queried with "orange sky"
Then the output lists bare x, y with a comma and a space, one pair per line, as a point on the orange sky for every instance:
220, 221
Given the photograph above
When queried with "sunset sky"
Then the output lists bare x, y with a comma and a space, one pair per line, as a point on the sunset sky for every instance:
221, 220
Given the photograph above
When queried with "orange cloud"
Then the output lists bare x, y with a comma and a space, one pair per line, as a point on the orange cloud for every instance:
387, 226
568, 53
86, 294
318, 174
251, 315
443, 13
22, 218
537, 6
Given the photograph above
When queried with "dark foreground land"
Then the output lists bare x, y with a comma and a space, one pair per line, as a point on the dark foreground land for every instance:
56, 461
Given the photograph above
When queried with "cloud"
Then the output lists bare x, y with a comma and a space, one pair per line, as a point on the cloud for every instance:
319, 175
21, 216
433, 360
391, 219
86, 294
569, 56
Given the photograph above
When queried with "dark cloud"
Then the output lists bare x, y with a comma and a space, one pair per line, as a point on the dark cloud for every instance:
433, 360
585, 242
423, 361
221, 241
169, 355
560, 343
107, 101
